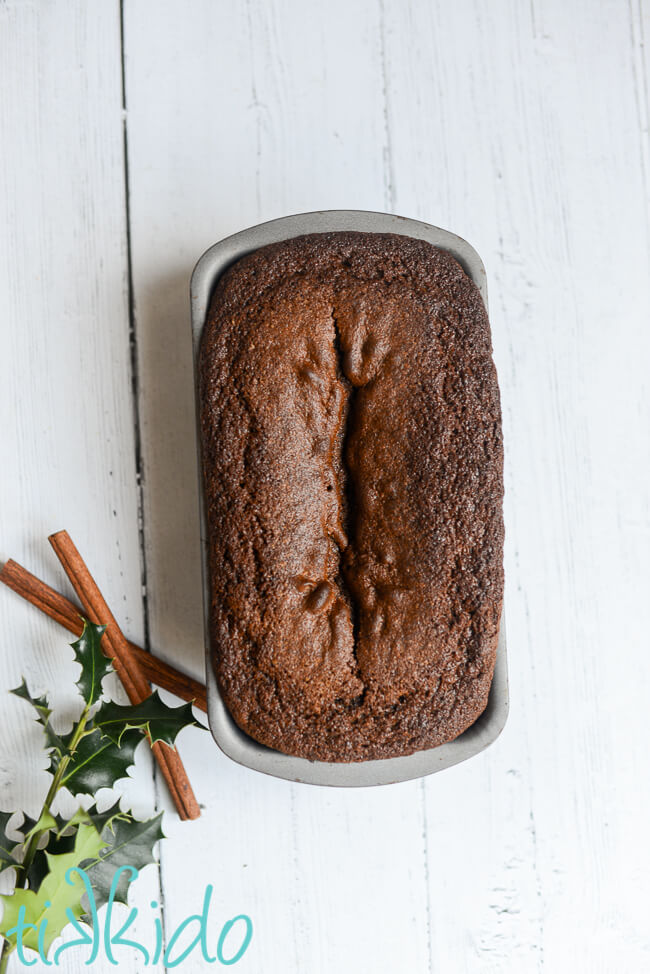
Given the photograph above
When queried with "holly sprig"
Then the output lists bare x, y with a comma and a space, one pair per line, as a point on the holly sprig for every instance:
94, 754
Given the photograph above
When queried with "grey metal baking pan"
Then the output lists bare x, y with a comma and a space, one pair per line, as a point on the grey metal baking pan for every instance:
233, 741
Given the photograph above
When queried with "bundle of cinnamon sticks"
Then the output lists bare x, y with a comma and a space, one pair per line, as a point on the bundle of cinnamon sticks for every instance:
135, 667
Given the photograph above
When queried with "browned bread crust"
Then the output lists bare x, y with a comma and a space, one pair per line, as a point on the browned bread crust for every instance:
353, 479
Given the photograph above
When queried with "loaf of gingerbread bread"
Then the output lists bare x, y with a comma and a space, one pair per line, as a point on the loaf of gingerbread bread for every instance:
353, 482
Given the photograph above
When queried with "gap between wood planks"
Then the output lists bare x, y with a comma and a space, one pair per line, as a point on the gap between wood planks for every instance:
137, 430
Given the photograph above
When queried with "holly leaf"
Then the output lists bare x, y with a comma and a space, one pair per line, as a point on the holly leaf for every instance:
64, 825
99, 762
39, 703
94, 665
63, 839
125, 842
57, 893
39, 867
103, 820
43, 824
53, 741
30, 826
128, 842
152, 716
7, 846
51, 822
28, 823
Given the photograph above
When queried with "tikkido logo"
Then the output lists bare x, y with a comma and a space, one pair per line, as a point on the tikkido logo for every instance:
233, 942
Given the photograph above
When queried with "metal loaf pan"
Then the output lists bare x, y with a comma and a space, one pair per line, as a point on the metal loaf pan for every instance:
233, 741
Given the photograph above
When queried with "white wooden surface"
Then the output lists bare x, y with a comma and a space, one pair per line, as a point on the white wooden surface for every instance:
524, 128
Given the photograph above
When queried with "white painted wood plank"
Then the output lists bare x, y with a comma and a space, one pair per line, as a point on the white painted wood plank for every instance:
517, 126
67, 448
236, 114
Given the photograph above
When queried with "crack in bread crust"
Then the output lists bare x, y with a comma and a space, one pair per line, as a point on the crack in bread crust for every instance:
347, 491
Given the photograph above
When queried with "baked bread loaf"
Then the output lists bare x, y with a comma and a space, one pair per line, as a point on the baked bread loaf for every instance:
353, 481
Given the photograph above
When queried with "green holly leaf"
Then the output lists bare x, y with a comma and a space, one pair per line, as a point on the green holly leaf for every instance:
10, 847
43, 824
39, 867
151, 716
99, 762
94, 665
7, 846
51, 822
103, 820
128, 842
64, 825
53, 741
63, 838
55, 895
39, 703
125, 842
28, 823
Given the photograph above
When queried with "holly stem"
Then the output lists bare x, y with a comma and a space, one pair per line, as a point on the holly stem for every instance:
59, 774
32, 846
5, 954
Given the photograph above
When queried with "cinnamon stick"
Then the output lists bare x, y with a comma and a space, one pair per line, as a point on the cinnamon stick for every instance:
68, 615
125, 665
